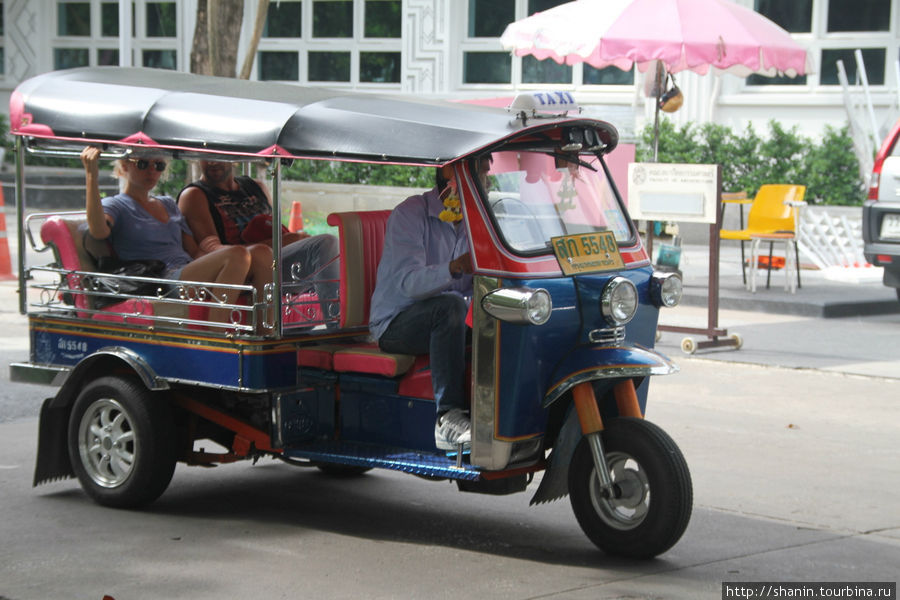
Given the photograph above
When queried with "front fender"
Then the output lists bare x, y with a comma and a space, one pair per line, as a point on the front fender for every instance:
589, 363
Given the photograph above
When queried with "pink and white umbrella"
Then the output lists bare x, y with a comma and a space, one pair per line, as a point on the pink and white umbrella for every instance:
693, 35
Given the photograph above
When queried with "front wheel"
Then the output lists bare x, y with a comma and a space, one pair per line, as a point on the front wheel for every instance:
122, 442
652, 499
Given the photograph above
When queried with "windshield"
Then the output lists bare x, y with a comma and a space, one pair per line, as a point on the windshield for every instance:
534, 196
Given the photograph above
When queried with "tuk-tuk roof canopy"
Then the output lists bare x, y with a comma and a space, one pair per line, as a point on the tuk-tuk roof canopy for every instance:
196, 114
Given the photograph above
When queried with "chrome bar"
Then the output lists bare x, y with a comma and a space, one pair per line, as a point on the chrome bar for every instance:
596, 444
20, 211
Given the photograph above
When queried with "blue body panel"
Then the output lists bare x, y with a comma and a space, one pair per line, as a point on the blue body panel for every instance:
533, 358
371, 412
251, 365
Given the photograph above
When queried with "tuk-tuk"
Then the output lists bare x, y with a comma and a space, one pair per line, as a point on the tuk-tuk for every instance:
563, 313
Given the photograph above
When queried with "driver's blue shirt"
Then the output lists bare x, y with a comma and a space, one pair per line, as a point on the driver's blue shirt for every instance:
415, 263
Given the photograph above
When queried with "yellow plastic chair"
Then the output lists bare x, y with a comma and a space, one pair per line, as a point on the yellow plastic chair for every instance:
775, 209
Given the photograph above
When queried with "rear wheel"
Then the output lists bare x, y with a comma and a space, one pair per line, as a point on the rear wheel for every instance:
653, 495
122, 442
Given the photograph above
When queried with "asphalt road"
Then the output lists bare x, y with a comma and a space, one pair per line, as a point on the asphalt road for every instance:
796, 477
791, 441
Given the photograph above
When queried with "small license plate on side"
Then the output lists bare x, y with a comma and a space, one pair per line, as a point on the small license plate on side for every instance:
587, 253
890, 227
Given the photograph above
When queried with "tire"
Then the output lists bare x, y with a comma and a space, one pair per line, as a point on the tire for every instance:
122, 442
342, 471
651, 473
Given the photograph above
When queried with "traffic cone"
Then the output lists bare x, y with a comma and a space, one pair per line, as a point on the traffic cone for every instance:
296, 221
5, 263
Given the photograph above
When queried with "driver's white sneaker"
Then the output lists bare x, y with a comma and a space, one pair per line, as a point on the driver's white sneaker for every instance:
451, 429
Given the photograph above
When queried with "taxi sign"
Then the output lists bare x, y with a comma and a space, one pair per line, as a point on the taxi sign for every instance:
556, 102
587, 252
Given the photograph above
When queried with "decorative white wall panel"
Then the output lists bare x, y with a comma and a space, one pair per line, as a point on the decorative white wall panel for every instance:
22, 39
426, 42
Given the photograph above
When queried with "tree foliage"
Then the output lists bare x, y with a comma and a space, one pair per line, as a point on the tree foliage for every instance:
320, 171
324, 171
829, 169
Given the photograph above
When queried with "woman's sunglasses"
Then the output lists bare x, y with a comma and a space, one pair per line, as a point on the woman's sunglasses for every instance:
142, 164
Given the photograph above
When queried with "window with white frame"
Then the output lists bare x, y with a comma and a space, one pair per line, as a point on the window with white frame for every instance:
87, 33
835, 30
484, 62
332, 41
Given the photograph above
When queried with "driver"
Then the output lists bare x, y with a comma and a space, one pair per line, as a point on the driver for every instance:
419, 304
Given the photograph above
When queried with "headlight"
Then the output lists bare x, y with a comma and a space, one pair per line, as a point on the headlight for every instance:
619, 301
666, 289
519, 305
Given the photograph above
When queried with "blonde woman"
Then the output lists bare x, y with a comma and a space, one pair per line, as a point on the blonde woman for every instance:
142, 226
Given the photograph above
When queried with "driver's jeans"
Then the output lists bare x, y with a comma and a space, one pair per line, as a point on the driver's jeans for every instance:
434, 326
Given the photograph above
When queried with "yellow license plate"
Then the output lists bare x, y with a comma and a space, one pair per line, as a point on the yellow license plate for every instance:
587, 252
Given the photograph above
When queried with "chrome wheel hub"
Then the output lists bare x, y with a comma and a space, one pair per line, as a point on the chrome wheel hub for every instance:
628, 508
106, 443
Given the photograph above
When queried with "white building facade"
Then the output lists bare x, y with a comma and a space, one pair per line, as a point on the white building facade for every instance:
451, 49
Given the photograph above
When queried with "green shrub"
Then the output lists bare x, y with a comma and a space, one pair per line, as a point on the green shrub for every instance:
326, 171
176, 177
829, 169
6, 140
320, 171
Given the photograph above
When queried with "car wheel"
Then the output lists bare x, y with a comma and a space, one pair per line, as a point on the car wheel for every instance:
122, 442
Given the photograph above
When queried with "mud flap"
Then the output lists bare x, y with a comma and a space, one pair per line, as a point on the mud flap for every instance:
53, 450
555, 483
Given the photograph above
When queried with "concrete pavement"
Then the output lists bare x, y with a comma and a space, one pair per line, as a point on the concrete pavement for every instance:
849, 325
837, 292
795, 477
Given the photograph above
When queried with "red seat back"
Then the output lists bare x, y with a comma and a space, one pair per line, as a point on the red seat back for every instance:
64, 236
362, 241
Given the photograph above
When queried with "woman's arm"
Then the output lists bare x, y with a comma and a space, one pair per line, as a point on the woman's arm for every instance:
190, 246
98, 221
193, 205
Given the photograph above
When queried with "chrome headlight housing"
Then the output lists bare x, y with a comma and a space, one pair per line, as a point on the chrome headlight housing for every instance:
666, 289
524, 306
619, 301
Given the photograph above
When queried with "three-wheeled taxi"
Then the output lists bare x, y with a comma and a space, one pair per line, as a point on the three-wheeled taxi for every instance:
563, 313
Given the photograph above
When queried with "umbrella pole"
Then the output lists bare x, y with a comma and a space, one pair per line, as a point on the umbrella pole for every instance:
651, 224
656, 132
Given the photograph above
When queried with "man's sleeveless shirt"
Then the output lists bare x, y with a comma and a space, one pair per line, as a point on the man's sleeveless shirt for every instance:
233, 210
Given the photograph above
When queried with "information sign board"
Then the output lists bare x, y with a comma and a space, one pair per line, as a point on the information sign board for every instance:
673, 192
